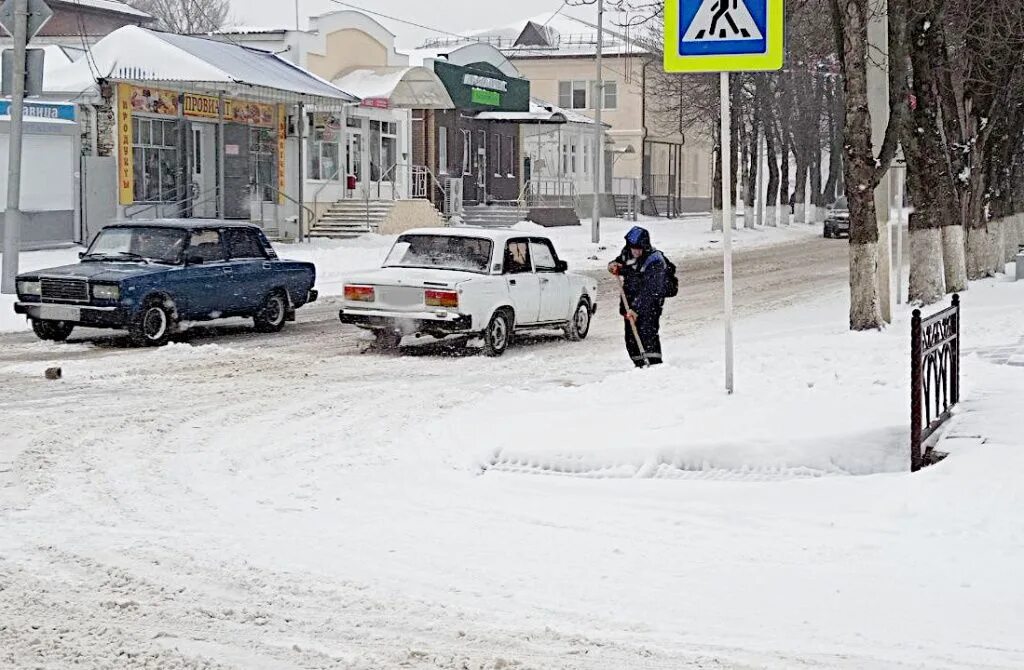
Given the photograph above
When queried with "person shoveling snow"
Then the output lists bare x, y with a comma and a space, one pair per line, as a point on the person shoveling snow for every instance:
647, 278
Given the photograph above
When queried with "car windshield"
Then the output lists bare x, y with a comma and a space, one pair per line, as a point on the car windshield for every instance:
141, 244
442, 252
841, 204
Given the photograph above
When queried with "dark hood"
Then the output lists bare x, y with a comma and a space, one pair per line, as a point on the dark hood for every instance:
101, 271
639, 237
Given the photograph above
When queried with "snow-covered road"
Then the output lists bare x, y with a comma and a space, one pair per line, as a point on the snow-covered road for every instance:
289, 502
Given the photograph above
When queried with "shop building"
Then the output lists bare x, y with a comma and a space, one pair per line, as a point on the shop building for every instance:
188, 127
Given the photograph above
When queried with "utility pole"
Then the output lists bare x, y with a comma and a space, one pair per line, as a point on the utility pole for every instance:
12, 217
297, 27
595, 228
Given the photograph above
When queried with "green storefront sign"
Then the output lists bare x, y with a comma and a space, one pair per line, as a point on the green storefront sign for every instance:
482, 86
482, 97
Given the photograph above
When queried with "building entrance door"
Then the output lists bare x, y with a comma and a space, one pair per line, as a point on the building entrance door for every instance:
203, 171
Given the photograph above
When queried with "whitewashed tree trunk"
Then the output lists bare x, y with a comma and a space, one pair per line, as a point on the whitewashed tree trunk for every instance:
997, 231
927, 278
979, 253
749, 217
1010, 237
771, 216
716, 219
865, 305
800, 213
954, 258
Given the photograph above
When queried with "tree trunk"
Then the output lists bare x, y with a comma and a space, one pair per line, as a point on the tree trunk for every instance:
981, 243
800, 192
736, 129
928, 178
865, 306
954, 257
785, 134
753, 158
814, 151
772, 191
835, 144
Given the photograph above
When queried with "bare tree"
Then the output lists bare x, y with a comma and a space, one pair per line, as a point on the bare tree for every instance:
186, 17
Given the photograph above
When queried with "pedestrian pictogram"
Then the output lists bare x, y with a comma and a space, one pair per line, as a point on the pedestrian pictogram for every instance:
723, 20
723, 35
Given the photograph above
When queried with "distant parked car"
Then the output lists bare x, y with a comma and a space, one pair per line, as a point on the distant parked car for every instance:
147, 277
470, 281
837, 219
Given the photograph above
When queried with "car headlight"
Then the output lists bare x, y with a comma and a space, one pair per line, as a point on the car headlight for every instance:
30, 287
106, 292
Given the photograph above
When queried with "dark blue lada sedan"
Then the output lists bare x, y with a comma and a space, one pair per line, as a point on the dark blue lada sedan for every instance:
147, 277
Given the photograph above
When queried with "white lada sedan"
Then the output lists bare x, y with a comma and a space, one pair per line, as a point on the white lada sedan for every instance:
470, 281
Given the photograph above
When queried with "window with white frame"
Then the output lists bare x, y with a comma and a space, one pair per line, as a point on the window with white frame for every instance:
573, 94
467, 152
510, 157
155, 156
442, 150
611, 94
323, 152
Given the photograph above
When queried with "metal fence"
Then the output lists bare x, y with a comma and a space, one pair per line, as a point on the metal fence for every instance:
934, 378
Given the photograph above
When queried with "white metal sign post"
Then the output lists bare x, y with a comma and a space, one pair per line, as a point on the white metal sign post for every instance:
724, 36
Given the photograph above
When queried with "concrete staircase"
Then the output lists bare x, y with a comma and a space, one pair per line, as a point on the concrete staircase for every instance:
493, 216
346, 219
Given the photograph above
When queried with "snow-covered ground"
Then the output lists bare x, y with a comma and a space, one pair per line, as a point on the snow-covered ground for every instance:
247, 504
336, 258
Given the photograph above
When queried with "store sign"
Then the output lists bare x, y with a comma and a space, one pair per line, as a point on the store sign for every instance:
376, 103
153, 101
125, 174
41, 110
482, 97
282, 132
490, 83
203, 106
250, 113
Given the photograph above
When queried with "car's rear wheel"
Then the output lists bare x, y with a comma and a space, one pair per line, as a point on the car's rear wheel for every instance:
273, 313
579, 327
153, 326
498, 335
52, 331
387, 339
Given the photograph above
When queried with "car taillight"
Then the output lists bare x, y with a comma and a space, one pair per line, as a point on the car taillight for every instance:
359, 293
441, 299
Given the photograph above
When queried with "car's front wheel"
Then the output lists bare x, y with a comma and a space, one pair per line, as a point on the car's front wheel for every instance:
273, 313
498, 334
153, 326
52, 331
579, 327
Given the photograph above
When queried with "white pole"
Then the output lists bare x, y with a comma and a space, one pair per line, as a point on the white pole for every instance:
760, 182
901, 176
595, 226
727, 229
12, 217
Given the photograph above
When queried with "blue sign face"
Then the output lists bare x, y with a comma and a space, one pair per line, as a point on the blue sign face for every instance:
40, 110
723, 27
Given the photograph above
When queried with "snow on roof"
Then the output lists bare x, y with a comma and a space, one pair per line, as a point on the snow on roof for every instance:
540, 112
110, 6
569, 36
250, 30
132, 53
406, 87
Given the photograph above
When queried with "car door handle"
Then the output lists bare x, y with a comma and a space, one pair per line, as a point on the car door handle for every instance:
228, 271
544, 280
266, 266
512, 282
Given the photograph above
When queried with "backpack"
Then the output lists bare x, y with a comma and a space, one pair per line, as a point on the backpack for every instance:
671, 280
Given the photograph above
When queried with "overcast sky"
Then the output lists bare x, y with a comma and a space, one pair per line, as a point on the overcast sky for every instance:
450, 15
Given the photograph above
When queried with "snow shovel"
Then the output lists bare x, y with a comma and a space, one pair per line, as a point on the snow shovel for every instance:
636, 333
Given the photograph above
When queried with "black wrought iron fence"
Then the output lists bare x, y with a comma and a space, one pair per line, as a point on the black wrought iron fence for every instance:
934, 377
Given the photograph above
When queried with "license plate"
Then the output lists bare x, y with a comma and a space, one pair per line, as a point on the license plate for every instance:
60, 313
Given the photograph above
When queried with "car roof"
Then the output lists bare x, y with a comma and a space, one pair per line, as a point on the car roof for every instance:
497, 236
186, 224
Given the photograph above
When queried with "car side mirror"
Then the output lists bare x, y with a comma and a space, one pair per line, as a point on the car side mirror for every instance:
561, 266
194, 260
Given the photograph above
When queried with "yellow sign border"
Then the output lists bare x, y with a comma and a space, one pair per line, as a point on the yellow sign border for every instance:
766, 62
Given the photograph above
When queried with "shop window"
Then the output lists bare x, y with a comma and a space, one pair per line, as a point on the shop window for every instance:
611, 95
263, 162
467, 152
155, 160
383, 150
442, 150
323, 147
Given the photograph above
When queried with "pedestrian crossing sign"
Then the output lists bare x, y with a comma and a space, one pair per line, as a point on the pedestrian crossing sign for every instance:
723, 35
